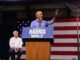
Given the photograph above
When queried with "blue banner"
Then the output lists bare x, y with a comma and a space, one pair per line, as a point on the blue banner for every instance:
46, 32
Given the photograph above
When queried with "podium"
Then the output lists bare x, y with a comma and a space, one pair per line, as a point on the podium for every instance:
37, 42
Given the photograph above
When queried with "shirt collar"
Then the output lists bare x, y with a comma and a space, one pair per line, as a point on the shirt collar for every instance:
38, 21
17, 37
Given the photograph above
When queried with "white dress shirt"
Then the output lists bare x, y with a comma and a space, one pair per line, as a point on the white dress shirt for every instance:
15, 42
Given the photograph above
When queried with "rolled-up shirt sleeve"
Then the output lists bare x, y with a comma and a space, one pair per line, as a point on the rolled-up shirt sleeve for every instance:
11, 43
50, 22
20, 43
32, 24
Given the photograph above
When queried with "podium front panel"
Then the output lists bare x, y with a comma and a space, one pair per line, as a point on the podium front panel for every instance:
32, 33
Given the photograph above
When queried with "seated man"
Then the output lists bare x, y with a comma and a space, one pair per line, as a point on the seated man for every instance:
15, 44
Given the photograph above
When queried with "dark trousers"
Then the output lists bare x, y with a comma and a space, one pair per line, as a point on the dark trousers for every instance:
13, 53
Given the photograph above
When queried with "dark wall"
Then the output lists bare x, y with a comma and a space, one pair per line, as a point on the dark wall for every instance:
8, 25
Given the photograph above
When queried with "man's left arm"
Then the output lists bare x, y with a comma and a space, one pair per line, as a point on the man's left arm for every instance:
20, 43
52, 20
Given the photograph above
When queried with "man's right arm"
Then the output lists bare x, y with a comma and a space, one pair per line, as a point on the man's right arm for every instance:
32, 24
11, 43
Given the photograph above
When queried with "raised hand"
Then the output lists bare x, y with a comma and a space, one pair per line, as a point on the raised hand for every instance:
56, 12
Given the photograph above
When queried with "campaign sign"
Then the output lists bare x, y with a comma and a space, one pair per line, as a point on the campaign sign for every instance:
46, 32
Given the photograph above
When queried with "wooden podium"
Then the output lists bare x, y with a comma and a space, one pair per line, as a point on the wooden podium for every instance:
37, 48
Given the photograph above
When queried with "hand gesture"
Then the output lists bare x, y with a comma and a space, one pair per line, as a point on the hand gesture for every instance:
56, 11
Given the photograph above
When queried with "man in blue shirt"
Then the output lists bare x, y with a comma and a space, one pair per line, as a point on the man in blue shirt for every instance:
39, 22
40, 49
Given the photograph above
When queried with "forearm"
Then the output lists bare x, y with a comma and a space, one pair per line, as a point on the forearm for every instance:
11, 46
55, 15
53, 19
20, 46
50, 22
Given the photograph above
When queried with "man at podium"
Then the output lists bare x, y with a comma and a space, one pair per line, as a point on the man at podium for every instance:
39, 50
39, 22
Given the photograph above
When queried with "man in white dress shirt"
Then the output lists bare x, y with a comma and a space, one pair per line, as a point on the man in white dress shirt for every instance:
15, 44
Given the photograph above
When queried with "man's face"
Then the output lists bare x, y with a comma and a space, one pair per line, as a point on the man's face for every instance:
39, 15
15, 33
